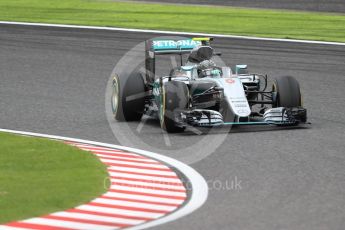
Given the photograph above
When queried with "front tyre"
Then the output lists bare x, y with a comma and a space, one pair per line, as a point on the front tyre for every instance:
128, 97
287, 92
174, 97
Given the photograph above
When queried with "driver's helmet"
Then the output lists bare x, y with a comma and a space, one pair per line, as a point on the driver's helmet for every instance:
207, 64
208, 68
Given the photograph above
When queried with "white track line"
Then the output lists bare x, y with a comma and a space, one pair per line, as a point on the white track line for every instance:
125, 199
170, 33
9, 228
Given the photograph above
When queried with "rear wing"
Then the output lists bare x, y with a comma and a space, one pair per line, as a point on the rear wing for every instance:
167, 46
177, 46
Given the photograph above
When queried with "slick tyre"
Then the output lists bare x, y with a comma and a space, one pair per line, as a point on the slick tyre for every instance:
287, 92
128, 97
174, 97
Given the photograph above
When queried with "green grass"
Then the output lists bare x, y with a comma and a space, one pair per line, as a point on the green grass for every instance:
223, 20
39, 176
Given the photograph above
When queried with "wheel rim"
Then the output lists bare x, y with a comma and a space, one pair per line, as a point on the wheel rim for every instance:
115, 97
275, 95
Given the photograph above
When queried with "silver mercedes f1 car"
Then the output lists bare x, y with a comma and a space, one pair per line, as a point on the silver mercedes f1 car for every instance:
201, 93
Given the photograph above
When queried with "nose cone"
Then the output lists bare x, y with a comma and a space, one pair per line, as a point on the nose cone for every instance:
235, 96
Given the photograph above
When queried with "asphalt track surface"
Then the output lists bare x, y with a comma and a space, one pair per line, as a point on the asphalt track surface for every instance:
337, 6
53, 80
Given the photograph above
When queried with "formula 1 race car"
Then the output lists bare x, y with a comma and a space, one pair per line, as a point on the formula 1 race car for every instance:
201, 93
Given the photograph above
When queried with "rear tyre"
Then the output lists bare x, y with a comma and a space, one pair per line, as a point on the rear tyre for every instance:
287, 92
174, 97
128, 97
